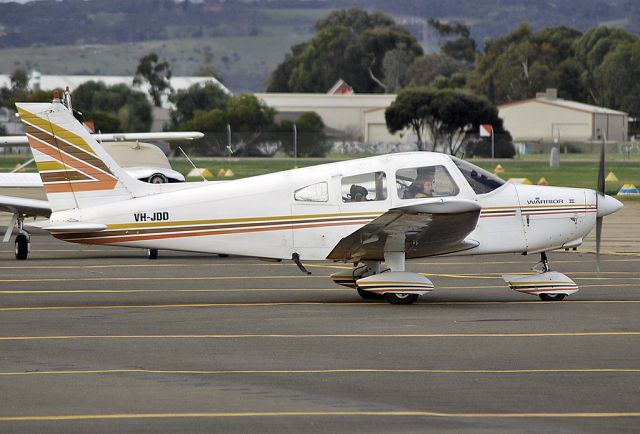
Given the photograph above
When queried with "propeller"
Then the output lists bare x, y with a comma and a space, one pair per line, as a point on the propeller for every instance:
599, 196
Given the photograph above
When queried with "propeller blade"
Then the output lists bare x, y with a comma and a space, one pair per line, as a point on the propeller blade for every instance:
601, 171
598, 235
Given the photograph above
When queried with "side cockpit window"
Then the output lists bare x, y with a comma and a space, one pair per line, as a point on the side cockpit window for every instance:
425, 181
313, 193
365, 187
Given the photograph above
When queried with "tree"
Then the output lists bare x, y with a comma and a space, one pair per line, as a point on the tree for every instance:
348, 44
590, 51
413, 108
130, 108
463, 48
157, 74
205, 97
312, 140
395, 67
19, 79
425, 69
518, 65
450, 118
249, 118
617, 78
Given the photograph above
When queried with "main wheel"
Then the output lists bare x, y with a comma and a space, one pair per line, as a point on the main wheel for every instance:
552, 297
401, 298
368, 295
158, 178
22, 246
152, 253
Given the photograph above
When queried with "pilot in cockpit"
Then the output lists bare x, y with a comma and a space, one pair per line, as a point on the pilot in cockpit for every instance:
422, 186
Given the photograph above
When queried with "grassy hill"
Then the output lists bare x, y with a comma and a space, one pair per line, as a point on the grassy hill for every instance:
245, 40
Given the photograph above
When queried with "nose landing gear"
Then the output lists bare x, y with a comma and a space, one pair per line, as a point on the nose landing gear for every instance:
546, 284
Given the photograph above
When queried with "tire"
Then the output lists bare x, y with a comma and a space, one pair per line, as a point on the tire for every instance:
152, 253
552, 297
158, 178
395, 298
22, 247
368, 295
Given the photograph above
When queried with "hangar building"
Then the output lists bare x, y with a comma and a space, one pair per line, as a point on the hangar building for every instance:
547, 118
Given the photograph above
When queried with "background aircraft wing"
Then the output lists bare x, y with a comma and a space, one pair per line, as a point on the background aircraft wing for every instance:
118, 137
28, 207
433, 227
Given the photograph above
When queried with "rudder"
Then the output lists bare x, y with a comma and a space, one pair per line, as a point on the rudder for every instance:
75, 169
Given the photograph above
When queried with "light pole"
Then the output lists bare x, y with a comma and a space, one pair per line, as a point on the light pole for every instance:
295, 145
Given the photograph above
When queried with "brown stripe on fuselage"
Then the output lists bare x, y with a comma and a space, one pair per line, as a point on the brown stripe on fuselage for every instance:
199, 234
201, 228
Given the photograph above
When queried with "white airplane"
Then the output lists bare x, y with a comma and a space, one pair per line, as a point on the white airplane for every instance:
143, 161
373, 212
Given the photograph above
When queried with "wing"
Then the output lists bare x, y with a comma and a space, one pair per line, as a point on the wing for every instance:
433, 227
28, 207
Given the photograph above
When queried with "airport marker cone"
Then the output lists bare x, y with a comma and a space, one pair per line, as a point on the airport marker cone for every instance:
543, 181
498, 169
611, 177
525, 181
229, 173
199, 171
629, 190
222, 172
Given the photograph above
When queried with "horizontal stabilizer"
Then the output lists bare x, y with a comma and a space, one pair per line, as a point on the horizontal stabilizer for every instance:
28, 207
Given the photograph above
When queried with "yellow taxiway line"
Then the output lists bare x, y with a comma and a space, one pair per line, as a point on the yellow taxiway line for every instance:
358, 303
334, 289
545, 415
325, 371
322, 336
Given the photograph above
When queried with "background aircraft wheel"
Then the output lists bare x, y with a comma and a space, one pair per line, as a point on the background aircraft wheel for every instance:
158, 178
152, 253
368, 295
395, 298
552, 297
22, 246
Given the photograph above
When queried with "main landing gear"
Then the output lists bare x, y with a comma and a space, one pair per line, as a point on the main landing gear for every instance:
373, 282
23, 239
546, 284
23, 245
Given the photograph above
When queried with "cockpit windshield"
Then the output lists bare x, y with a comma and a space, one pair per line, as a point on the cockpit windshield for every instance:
480, 180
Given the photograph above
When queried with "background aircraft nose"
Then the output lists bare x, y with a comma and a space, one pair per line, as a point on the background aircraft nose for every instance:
608, 205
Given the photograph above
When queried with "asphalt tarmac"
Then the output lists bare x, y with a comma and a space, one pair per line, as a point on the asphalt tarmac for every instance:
98, 339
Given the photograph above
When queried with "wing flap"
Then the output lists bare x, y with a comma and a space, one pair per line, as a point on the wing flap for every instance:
433, 227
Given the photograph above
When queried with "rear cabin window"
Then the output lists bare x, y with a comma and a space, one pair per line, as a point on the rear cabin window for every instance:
426, 181
365, 187
312, 193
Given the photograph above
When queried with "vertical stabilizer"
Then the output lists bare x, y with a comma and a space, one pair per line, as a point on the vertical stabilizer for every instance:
75, 169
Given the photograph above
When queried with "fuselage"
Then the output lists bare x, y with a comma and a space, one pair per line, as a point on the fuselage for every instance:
309, 210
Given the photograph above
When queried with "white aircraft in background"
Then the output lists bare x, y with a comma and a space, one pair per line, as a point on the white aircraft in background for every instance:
373, 212
143, 161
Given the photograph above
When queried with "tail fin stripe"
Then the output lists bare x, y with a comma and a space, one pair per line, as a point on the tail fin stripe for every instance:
65, 147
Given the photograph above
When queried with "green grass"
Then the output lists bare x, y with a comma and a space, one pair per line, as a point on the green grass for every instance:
570, 173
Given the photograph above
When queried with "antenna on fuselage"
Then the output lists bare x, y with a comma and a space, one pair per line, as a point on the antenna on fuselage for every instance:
192, 165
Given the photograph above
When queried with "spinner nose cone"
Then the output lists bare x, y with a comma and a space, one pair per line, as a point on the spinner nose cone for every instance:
608, 205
